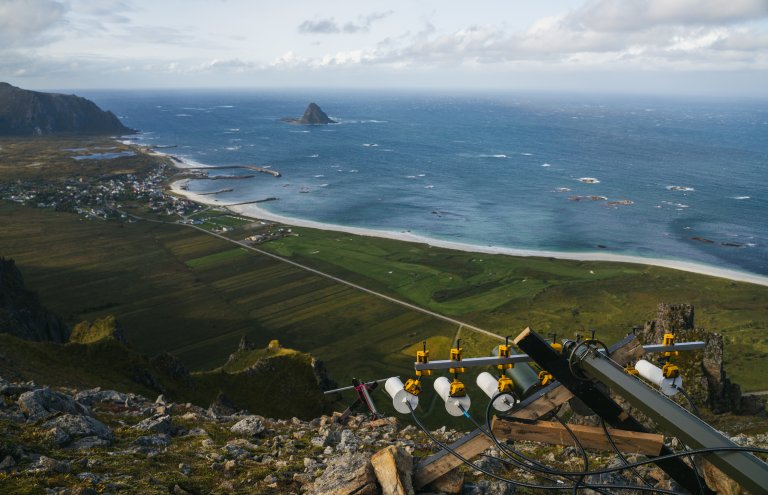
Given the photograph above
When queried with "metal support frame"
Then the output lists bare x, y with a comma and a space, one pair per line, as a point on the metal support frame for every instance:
743, 467
524, 358
602, 404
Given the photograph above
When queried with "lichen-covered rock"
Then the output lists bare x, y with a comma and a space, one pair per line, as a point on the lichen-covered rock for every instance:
48, 465
44, 403
249, 426
345, 475
96, 395
65, 428
156, 424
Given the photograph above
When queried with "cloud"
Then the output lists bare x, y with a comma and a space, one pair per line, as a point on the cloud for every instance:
29, 22
330, 26
323, 26
633, 15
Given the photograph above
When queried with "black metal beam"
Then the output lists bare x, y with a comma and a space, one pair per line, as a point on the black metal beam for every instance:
749, 471
601, 403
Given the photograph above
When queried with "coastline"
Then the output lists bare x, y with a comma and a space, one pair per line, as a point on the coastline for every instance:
258, 213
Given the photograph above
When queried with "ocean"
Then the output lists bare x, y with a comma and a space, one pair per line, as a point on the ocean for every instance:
654, 177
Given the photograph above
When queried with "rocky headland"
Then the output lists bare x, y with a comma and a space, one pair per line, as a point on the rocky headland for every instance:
33, 113
313, 115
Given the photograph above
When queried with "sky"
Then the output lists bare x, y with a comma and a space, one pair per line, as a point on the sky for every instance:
708, 47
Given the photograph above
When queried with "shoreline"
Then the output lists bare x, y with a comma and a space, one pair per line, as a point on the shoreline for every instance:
258, 213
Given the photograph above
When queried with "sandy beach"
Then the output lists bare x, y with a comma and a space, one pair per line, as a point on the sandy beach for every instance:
258, 213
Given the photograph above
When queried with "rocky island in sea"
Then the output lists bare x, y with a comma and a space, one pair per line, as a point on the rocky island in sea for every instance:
32, 113
313, 115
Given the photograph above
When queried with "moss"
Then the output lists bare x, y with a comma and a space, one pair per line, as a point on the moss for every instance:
87, 332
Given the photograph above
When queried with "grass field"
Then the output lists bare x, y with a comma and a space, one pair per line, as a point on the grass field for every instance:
179, 290
505, 294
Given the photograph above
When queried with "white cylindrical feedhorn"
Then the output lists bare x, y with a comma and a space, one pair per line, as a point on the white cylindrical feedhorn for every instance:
653, 374
490, 385
400, 398
443, 389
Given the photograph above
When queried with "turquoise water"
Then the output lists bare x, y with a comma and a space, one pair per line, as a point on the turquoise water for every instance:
508, 170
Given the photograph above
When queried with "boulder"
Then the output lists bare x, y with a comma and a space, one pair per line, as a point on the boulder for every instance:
249, 426
346, 475
43, 403
159, 440
451, 483
94, 395
394, 469
156, 424
68, 427
48, 465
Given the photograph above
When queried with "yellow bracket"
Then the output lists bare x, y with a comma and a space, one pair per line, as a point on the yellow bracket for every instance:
413, 386
504, 352
669, 339
506, 385
423, 358
670, 370
455, 355
557, 346
630, 370
545, 378
457, 389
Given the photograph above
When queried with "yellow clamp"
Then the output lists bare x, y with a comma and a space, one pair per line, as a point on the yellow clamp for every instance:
670, 370
669, 339
506, 385
457, 389
545, 378
504, 352
413, 386
455, 355
630, 370
423, 358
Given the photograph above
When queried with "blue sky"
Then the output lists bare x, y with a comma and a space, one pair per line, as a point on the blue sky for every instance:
717, 47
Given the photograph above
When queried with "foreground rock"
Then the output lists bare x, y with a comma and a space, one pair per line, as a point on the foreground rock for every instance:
348, 474
394, 469
44, 403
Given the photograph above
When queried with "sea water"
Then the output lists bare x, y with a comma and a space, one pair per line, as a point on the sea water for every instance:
671, 178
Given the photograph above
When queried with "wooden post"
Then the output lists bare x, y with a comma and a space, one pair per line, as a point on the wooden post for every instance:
591, 437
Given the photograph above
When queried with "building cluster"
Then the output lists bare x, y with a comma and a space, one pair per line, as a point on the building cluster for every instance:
105, 197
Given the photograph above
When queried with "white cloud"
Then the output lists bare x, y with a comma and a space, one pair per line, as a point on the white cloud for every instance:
29, 22
330, 26
632, 15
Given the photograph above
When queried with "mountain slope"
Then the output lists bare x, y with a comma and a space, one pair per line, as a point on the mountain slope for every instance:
32, 113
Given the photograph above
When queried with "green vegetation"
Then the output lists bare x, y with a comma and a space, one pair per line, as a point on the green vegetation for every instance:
505, 294
87, 333
49, 158
263, 381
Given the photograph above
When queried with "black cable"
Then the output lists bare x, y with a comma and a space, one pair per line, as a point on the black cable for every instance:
704, 450
538, 466
523, 484
581, 449
618, 452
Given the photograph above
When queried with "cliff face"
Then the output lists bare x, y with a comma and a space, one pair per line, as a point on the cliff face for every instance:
20, 311
31, 113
